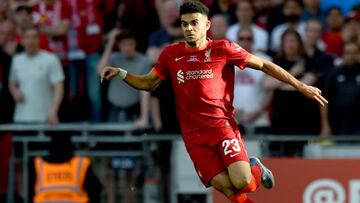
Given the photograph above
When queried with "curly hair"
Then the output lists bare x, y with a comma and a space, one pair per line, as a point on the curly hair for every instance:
194, 6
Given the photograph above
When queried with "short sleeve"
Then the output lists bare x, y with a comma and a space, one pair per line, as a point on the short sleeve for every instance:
236, 55
56, 71
161, 67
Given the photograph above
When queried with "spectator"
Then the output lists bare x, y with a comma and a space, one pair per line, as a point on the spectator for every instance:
24, 20
251, 111
134, 107
6, 109
169, 30
351, 27
4, 10
343, 91
315, 59
263, 10
6, 101
276, 15
225, 8
292, 11
164, 120
53, 19
219, 27
84, 42
125, 109
312, 10
140, 17
345, 6
10, 46
245, 13
332, 37
283, 121
62, 176
36, 83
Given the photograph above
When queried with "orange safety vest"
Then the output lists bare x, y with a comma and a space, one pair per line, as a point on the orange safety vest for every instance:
61, 182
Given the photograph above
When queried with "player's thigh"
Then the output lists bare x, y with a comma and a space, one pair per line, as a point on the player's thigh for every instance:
240, 174
222, 183
235, 157
207, 162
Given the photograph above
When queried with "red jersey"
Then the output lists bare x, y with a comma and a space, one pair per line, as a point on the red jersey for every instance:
203, 81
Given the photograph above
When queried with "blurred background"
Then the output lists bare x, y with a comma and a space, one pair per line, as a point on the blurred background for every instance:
124, 145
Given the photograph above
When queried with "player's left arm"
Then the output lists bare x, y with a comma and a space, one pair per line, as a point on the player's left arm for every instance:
279, 73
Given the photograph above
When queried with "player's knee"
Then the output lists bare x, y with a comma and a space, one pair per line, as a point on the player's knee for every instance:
222, 184
242, 181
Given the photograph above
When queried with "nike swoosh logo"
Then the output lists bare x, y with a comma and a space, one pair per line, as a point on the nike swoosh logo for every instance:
178, 58
232, 155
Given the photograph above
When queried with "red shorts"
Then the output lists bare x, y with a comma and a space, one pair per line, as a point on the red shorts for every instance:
213, 151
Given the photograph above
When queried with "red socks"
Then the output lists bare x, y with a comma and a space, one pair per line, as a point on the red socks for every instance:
256, 172
255, 181
240, 198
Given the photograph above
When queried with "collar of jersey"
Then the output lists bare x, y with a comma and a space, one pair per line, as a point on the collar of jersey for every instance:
195, 50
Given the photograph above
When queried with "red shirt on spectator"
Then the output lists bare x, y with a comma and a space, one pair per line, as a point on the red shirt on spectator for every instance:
334, 43
88, 20
49, 15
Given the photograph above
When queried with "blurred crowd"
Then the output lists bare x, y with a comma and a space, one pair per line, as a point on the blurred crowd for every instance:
52, 51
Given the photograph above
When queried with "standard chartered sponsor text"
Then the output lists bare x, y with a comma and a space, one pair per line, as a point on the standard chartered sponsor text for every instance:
199, 74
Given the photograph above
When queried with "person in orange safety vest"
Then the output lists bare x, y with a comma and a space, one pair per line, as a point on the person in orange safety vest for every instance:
63, 176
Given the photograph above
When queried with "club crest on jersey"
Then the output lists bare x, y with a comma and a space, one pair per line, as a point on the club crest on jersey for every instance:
207, 55
193, 58
180, 76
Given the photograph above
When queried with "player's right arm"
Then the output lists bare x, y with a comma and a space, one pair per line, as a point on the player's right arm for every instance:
142, 82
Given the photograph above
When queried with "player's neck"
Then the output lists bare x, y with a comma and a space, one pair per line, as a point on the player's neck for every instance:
199, 45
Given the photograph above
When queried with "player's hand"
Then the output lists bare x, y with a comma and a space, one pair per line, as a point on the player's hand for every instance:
313, 93
108, 72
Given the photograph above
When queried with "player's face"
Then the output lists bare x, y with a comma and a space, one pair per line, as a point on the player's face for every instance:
194, 27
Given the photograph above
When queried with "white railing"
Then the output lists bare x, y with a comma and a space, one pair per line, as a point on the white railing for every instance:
99, 133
